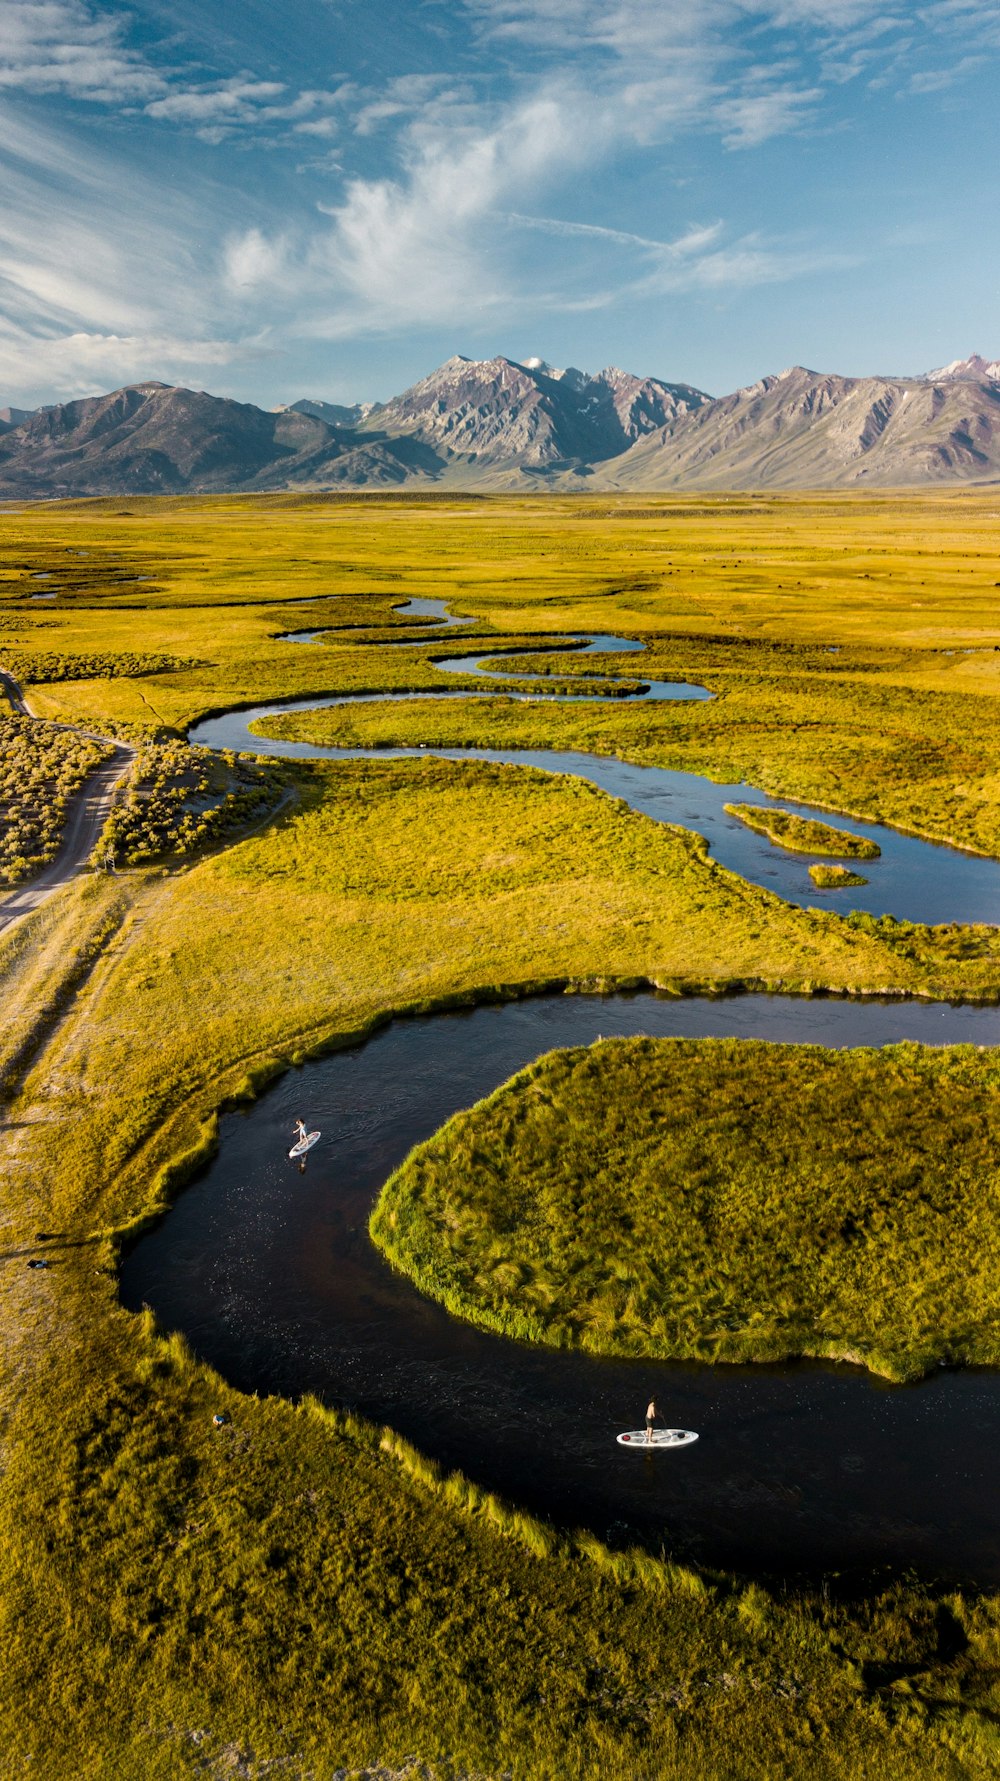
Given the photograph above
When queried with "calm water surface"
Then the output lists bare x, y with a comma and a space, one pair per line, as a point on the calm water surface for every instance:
914, 880
799, 1470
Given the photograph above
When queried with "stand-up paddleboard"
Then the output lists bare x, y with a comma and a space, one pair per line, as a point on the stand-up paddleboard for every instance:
305, 1144
660, 1438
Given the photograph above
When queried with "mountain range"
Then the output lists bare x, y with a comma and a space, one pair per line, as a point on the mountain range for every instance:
501, 424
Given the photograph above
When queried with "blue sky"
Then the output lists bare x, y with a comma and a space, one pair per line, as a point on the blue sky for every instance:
329, 197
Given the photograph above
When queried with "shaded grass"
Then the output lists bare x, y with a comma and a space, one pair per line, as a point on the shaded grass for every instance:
719, 1200
299, 1589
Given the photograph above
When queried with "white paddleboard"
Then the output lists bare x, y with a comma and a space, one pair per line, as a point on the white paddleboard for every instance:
660, 1438
305, 1144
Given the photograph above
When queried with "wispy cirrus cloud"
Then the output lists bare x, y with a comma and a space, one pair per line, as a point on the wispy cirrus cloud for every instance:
425, 165
705, 257
709, 47
100, 280
438, 243
82, 52
424, 244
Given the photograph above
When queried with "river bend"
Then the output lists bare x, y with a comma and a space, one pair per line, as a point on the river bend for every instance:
800, 1470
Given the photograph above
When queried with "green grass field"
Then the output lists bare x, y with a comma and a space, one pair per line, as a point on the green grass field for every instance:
295, 1593
719, 1200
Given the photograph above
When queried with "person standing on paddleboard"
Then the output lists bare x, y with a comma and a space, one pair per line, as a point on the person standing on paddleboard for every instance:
651, 1415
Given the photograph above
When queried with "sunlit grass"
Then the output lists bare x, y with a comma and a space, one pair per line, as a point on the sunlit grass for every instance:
802, 834
298, 1592
719, 1200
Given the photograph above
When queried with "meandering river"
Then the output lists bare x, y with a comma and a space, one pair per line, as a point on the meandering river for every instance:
803, 1469
915, 880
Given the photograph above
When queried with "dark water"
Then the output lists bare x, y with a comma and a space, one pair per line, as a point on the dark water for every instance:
799, 1470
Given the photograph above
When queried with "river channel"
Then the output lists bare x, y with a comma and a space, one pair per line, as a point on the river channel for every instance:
800, 1470
914, 880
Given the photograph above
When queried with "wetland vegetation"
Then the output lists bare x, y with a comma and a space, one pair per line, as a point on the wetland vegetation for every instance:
297, 1588
834, 877
803, 834
719, 1200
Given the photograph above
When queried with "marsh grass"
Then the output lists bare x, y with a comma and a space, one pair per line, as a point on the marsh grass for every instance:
834, 877
803, 834
308, 1591
286, 1595
719, 1200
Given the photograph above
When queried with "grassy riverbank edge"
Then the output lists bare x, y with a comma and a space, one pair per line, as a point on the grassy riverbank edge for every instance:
244, 1082
532, 1233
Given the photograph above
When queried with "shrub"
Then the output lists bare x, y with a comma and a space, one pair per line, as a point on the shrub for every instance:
42, 766
180, 798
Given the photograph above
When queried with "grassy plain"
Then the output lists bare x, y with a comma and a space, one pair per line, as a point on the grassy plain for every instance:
295, 1589
719, 1200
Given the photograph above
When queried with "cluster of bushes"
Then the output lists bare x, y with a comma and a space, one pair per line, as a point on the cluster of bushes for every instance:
41, 766
180, 798
35, 667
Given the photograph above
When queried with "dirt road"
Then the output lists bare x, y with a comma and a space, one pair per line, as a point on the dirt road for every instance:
88, 813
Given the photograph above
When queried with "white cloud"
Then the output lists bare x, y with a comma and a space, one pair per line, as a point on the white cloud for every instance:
700, 259
691, 241
235, 100
418, 248
87, 364
81, 51
251, 260
700, 50
103, 279
754, 117
434, 246
63, 46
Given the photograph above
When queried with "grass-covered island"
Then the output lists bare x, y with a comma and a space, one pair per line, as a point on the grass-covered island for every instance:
803, 834
835, 877
720, 1200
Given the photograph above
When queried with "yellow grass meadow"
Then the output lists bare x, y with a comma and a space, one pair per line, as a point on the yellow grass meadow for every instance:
307, 1591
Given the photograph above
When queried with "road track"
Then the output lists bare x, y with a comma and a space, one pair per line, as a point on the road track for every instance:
88, 812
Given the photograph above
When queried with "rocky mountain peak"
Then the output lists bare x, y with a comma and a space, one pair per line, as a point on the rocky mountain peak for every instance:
973, 369
503, 423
